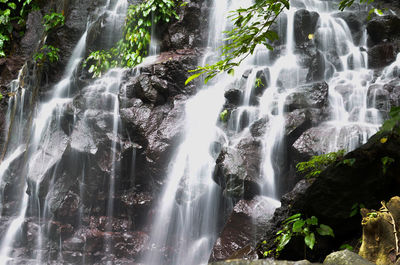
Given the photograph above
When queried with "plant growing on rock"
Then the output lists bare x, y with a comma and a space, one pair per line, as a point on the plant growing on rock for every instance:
53, 20
393, 123
133, 47
317, 164
386, 161
11, 11
294, 226
47, 52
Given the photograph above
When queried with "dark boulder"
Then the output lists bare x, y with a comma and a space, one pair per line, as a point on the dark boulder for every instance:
305, 23
383, 54
243, 227
331, 196
187, 31
317, 140
230, 173
259, 127
233, 96
296, 123
238, 169
393, 88
308, 96
384, 28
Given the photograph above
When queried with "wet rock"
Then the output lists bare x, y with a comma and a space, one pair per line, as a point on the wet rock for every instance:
305, 23
69, 206
345, 257
393, 88
137, 205
142, 87
47, 156
229, 172
250, 150
259, 127
243, 227
238, 169
382, 54
233, 96
187, 31
384, 28
378, 98
331, 195
308, 96
65, 38
33, 33
316, 140
296, 123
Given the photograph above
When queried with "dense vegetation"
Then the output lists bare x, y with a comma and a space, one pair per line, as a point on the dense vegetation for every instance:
12, 20
133, 47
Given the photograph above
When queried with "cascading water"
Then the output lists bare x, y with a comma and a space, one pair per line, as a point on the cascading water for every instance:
192, 205
41, 153
182, 223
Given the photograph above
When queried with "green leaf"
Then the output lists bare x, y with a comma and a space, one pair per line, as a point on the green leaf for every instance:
298, 225
312, 221
284, 241
292, 218
325, 230
310, 240
12, 5
192, 77
346, 246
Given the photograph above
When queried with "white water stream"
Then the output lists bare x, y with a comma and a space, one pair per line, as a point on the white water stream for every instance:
191, 205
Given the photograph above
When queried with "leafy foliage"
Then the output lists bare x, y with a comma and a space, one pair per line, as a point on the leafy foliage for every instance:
47, 52
316, 164
10, 11
392, 124
346, 246
252, 26
259, 82
295, 225
224, 115
133, 47
349, 162
53, 20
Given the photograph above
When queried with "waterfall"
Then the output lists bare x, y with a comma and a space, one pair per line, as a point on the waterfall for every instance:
186, 220
63, 161
40, 151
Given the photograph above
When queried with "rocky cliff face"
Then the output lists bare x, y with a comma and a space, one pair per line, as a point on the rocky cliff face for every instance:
151, 102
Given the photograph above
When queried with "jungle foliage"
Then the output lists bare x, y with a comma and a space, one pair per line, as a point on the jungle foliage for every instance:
133, 47
297, 226
13, 13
